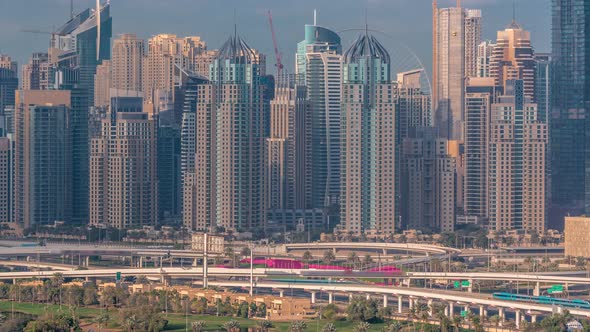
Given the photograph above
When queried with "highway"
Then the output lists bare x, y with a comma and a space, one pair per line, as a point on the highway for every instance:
467, 299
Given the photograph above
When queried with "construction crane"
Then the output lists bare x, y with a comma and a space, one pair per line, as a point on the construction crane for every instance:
278, 54
42, 32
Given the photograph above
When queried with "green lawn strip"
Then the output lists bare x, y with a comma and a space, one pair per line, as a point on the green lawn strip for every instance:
176, 322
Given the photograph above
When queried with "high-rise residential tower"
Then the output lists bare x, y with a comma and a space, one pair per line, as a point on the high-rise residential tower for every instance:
235, 96
513, 58
42, 158
8, 82
126, 63
368, 139
123, 172
569, 120
448, 67
472, 40
428, 181
36, 73
484, 53
288, 148
480, 94
517, 162
319, 62
543, 77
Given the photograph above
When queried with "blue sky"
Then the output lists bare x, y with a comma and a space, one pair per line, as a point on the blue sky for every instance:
406, 22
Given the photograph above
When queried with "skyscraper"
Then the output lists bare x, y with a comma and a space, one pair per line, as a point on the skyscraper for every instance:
77, 48
8, 82
368, 139
102, 84
513, 58
237, 100
543, 77
123, 172
472, 40
319, 62
484, 53
570, 157
198, 155
517, 162
428, 181
42, 158
126, 63
36, 73
288, 147
6, 162
448, 67
480, 94
165, 53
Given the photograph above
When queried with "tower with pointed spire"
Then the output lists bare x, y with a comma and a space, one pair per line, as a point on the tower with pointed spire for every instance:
234, 97
367, 139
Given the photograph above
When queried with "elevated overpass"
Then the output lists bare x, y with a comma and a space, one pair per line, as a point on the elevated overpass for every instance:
412, 296
385, 248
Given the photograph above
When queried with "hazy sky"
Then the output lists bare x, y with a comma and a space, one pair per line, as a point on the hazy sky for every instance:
406, 22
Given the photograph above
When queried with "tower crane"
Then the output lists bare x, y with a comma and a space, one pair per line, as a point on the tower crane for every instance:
278, 54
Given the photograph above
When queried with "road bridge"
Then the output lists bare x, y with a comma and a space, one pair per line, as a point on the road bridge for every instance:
465, 301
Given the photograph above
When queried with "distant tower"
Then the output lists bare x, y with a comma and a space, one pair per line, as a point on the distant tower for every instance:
8, 83
448, 70
513, 59
42, 158
484, 53
368, 139
127, 62
235, 94
123, 178
319, 63
472, 40
517, 162
480, 94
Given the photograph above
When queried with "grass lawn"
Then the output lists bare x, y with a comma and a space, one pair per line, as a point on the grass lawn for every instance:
176, 322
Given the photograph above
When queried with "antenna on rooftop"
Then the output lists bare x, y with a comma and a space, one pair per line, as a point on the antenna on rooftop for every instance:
71, 9
315, 17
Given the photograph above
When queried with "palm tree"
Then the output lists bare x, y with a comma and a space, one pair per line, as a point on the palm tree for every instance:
263, 325
362, 327
131, 323
352, 259
367, 260
298, 326
329, 256
307, 256
457, 323
394, 326
495, 319
330, 327
198, 326
232, 326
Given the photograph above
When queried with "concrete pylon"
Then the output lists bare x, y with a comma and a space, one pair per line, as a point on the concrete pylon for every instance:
400, 304
385, 301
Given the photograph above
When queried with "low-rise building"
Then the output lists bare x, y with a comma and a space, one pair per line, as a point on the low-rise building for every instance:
577, 236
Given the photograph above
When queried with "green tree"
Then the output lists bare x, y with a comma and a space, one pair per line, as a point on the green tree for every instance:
261, 311
263, 325
56, 322
101, 319
298, 326
330, 327
232, 326
393, 326
329, 311
367, 260
307, 256
198, 326
362, 327
90, 295
352, 259
329, 256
